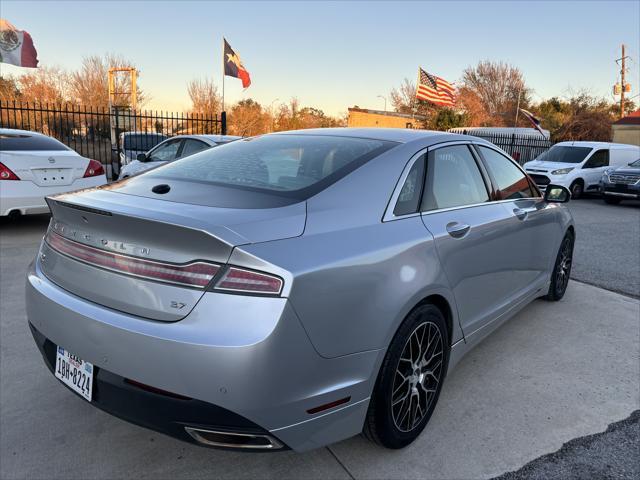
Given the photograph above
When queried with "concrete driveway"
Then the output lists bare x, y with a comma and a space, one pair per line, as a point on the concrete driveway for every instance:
555, 372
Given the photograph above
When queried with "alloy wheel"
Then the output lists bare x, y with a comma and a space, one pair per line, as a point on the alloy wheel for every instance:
564, 265
417, 376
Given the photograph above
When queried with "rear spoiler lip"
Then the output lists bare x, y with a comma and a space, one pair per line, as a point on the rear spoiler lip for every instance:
103, 202
84, 208
237, 240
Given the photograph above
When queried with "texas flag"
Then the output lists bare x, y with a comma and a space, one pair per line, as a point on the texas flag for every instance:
233, 65
16, 46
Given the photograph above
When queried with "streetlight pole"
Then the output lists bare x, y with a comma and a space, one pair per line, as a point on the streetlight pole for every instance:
385, 102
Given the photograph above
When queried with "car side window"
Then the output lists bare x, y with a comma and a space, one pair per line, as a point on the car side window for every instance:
165, 152
409, 198
192, 146
453, 179
510, 180
598, 159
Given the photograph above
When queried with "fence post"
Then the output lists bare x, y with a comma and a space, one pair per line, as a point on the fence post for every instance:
115, 139
223, 123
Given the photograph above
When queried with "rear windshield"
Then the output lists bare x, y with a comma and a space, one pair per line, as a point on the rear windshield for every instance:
16, 142
292, 165
565, 154
142, 142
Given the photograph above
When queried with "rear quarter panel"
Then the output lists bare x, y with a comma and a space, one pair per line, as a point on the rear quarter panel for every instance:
355, 278
352, 289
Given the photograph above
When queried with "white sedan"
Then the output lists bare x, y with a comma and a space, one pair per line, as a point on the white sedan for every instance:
172, 149
33, 166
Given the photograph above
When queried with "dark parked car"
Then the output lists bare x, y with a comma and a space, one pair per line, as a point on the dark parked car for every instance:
621, 183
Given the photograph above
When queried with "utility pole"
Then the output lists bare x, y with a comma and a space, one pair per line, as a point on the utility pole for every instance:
623, 71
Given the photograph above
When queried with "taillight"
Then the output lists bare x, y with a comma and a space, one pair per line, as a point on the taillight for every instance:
247, 281
7, 174
93, 169
195, 274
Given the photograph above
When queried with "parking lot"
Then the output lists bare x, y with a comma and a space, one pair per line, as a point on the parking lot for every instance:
608, 247
555, 372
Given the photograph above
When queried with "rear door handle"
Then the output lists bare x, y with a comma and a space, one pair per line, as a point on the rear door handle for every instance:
457, 230
520, 213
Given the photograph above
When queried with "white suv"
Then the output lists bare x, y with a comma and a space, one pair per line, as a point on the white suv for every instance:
579, 165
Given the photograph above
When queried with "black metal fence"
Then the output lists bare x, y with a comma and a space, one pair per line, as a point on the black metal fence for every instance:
521, 148
96, 132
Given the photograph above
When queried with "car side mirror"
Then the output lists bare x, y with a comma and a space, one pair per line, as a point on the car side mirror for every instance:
142, 157
557, 194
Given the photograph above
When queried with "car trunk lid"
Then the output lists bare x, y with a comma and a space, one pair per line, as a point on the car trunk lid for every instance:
46, 168
138, 229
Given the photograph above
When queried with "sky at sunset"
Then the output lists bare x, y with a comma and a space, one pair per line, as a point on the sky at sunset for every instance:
333, 55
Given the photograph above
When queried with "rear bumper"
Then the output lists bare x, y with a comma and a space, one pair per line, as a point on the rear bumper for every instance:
28, 198
248, 356
159, 411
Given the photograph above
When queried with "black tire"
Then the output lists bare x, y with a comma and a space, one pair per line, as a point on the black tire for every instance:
577, 189
612, 200
561, 269
422, 386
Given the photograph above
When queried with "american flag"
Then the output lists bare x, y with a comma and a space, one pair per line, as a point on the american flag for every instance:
435, 89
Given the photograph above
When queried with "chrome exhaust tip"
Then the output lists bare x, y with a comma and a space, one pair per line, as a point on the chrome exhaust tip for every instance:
250, 441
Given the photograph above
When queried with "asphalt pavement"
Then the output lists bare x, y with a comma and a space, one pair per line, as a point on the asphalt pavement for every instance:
607, 251
533, 399
612, 454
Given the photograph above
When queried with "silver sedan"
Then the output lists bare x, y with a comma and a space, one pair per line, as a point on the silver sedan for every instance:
293, 289
171, 149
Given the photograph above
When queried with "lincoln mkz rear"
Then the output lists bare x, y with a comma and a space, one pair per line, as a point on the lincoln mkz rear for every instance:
294, 289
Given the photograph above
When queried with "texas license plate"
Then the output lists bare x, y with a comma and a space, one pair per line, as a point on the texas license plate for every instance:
75, 373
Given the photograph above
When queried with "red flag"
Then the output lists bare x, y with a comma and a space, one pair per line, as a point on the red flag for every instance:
16, 46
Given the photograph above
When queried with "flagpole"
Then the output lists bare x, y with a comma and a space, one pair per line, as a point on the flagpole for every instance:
415, 97
515, 125
223, 74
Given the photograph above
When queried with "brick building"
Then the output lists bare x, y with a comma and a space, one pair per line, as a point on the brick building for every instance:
361, 117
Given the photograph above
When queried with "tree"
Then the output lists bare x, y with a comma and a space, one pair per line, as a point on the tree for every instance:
498, 86
447, 118
9, 88
579, 117
311, 117
471, 104
294, 117
204, 97
247, 118
553, 113
288, 116
403, 99
582, 117
90, 84
45, 85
